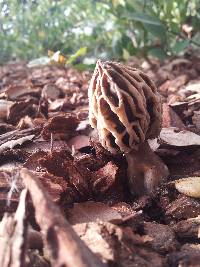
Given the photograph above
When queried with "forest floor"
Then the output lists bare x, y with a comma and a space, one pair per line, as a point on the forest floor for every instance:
47, 145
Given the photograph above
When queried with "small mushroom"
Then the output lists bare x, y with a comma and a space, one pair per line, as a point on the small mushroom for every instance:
125, 108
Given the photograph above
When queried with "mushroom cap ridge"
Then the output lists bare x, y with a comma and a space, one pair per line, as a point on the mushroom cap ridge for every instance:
124, 106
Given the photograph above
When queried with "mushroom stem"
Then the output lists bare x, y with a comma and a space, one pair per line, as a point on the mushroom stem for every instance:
145, 170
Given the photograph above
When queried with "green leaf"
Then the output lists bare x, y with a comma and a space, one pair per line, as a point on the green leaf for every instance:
157, 31
142, 17
80, 53
180, 46
157, 52
126, 54
116, 3
82, 66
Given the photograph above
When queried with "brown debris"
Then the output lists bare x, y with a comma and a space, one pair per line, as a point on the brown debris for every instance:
170, 118
107, 179
51, 103
163, 237
10, 188
183, 208
175, 137
189, 228
13, 236
115, 245
68, 249
61, 126
92, 212
189, 256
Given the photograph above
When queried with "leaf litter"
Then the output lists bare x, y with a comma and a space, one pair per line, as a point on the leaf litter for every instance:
82, 188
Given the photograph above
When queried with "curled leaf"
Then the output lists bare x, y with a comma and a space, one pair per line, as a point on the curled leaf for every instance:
189, 186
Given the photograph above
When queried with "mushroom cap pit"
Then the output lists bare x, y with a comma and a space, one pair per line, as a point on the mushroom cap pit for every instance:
124, 106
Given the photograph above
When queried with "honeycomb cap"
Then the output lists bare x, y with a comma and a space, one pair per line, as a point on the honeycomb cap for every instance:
124, 106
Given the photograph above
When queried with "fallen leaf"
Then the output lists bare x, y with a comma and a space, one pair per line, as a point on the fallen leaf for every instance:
193, 86
189, 186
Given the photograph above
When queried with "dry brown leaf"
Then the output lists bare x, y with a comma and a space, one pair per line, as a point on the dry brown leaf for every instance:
189, 186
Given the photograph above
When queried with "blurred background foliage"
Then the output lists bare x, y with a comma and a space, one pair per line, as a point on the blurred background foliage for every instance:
107, 28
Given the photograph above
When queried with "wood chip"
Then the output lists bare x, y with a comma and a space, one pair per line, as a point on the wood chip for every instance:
63, 245
13, 236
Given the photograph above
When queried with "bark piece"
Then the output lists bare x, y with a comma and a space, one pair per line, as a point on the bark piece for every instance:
175, 137
189, 256
117, 246
170, 118
92, 212
5, 106
64, 246
13, 143
189, 228
163, 237
10, 188
13, 236
34, 259
107, 183
183, 208
21, 109
61, 126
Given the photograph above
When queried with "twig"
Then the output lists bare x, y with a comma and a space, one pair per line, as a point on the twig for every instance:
51, 146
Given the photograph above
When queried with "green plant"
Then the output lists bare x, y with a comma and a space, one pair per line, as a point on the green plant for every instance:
108, 28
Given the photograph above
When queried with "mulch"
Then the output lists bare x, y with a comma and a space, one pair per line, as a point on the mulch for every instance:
65, 200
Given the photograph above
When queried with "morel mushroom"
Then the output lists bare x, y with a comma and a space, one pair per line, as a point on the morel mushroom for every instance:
125, 108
